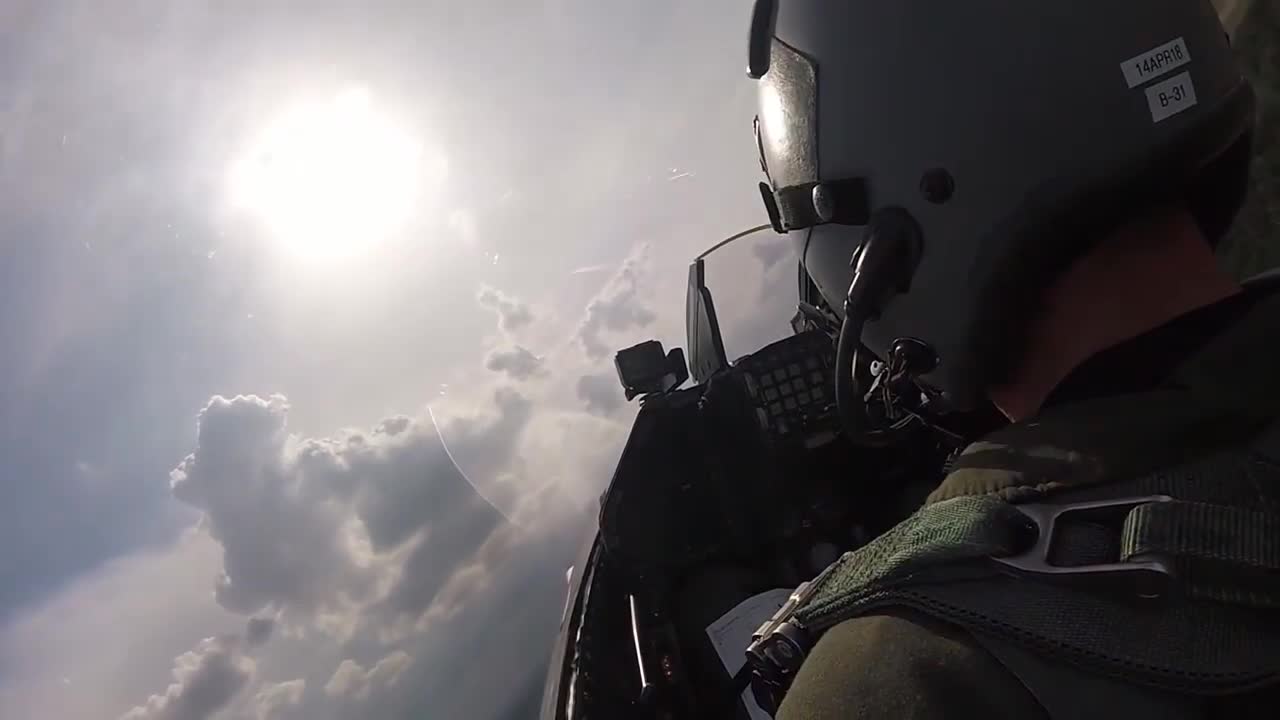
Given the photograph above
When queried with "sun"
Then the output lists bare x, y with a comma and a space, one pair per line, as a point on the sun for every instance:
333, 177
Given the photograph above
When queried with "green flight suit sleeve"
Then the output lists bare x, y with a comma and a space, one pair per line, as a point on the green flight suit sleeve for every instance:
904, 665
1252, 245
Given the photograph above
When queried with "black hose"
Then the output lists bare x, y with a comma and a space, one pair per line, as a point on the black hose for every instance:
849, 402
852, 417
885, 258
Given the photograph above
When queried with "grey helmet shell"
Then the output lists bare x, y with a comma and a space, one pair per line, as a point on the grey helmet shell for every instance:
1014, 133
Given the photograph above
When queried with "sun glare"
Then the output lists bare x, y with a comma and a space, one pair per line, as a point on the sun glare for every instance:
332, 178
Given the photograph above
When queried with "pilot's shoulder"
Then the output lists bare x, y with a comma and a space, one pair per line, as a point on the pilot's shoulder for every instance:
903, 664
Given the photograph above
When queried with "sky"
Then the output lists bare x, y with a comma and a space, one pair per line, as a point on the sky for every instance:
308, 313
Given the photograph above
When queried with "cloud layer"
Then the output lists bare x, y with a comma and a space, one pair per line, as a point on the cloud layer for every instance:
275, 701
204, 681
362, 565
373, 544
320, 528
512, 313
619, 307
770, 252
600, 394
516, 362
352, 682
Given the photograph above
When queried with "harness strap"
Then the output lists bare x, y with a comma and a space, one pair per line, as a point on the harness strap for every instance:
1222, 553
1181, 603
1067, 693
948, 540
1227, 554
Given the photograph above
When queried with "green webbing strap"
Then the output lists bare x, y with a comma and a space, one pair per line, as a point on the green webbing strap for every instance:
1219, 635
1221, 553
946, 540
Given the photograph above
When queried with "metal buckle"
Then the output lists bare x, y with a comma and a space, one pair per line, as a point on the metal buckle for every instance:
1148, 578
780, 645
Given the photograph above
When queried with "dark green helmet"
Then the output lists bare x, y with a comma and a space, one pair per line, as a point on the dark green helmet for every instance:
1012, 134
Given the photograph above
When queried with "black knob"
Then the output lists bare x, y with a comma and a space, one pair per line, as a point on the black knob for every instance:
937, 186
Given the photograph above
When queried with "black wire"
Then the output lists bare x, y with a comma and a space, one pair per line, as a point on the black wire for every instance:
878, 267
849, 405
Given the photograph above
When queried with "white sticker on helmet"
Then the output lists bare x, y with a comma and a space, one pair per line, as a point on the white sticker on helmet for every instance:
1154, 63
1171, 97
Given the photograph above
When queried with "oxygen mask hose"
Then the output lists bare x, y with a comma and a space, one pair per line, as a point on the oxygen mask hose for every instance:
882, 266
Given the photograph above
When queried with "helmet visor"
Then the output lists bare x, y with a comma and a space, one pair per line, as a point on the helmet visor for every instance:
787, 121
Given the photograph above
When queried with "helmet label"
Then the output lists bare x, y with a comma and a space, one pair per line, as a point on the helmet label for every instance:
1171, 97
1156, 62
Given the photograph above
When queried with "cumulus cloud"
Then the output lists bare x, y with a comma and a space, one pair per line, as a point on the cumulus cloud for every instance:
352, 681
371, 537
204, 681
617, 308
436, 558
502, 616
601, 393
320, 528
286, 543
512, 313
759, 313
274, 701
375, 545
63, 658
580, 450
484, 442
258, 631
363, 564
353, 692
517, 362
770, 252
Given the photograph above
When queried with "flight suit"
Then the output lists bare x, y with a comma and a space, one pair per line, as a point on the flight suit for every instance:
1251, 246
1178, 397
